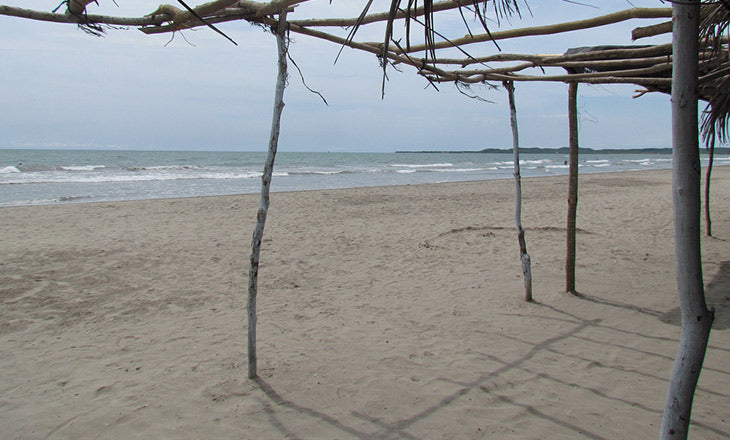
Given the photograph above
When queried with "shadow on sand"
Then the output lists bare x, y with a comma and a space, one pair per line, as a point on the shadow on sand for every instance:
717, 295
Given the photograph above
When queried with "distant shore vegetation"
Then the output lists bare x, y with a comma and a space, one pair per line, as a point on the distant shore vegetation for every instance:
566, 150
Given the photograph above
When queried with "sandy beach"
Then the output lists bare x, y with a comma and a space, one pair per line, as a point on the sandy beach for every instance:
384, 313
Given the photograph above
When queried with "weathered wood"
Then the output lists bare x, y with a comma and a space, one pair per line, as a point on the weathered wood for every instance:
572, 188
696, 318
382, 16
608, 54
202, 10
588, 78
242, 10
557, 28
30, 14
258, 232
402, 59
708, 179
77, 7
651, 31
524, 256
654, 67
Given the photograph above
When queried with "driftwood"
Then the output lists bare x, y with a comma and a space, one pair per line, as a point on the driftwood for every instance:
643, 67
557, 28
696, 318
258, 232
708, 179
572, 188
524, 256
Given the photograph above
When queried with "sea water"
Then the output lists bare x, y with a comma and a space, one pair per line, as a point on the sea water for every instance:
32, 177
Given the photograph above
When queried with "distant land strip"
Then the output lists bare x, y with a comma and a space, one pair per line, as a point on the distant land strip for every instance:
566, 150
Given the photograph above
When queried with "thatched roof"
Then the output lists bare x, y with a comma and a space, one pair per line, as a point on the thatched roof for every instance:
648, 66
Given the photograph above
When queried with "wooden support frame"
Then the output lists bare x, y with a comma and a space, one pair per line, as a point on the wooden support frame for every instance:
692, 69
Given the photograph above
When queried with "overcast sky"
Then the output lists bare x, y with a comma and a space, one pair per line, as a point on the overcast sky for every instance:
62, 88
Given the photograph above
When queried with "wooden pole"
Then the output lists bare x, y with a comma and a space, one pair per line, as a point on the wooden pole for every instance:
572, 188
696, 318
258, 232
708, 179
524, 256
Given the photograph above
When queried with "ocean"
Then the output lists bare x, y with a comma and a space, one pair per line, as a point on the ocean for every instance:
35, 177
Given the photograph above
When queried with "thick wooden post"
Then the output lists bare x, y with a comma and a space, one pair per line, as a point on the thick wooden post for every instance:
696, 318
258, 232
572, 188
524, 256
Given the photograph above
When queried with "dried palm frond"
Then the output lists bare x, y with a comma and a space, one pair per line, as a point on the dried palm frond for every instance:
502, 9
714, 23
716, 117
714, 33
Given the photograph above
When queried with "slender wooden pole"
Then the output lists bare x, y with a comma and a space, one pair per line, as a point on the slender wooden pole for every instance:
258, 232
708, 179
572, 188
524, 256
696, 318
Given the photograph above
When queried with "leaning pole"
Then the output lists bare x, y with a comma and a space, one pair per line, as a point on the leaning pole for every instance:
258, 231
524, 256
696, 318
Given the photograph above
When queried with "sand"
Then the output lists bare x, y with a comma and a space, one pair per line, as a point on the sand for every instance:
384, 313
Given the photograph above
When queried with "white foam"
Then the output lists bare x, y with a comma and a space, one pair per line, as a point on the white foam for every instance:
645, 161
535, 162
28, 202
459, 170
82, 167
9, 170
425, 165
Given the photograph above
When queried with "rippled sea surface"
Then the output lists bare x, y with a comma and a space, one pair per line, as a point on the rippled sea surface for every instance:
31, 177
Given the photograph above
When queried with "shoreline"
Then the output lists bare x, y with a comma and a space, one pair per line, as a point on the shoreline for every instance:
76, 177
383, 311
85, 200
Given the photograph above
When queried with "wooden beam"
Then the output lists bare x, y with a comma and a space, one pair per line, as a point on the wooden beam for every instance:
603, 20
383, 16
86, 18
608, 54
651, 31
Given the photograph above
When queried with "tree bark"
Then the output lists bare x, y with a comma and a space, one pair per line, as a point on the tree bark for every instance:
572, 188
258, 232
696, 318
524, 256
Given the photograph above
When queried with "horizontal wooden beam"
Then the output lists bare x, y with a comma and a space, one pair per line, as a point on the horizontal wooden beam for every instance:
616, 17
383, 16
82, 19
